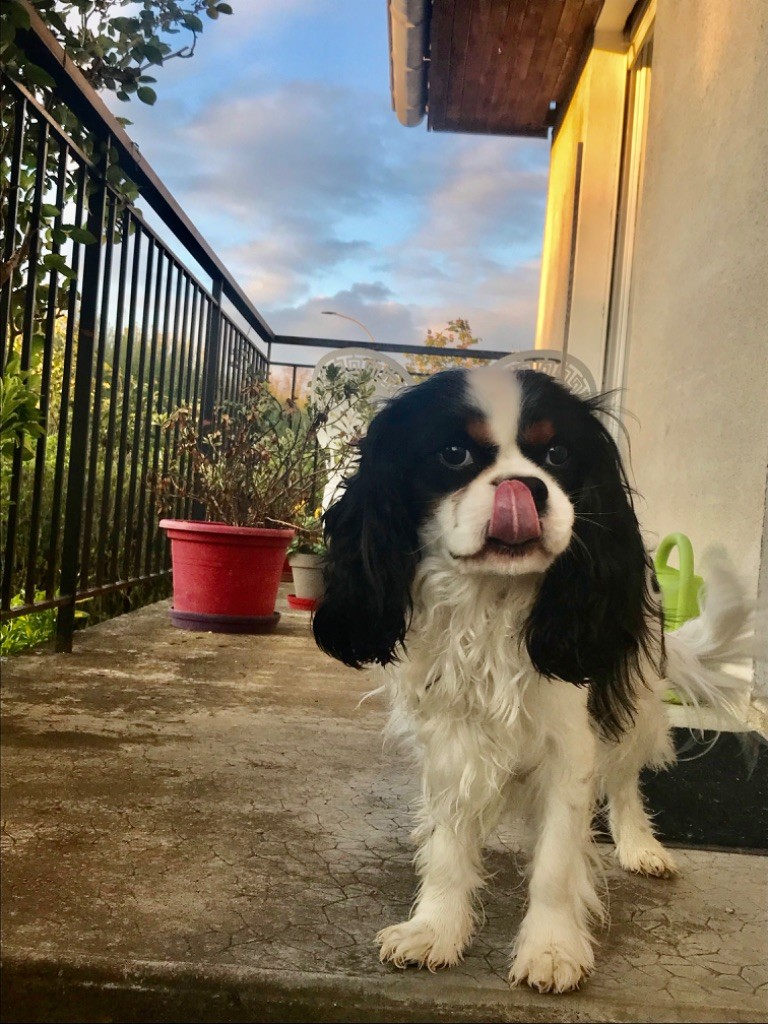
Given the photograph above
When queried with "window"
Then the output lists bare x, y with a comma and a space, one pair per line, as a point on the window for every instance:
630, 192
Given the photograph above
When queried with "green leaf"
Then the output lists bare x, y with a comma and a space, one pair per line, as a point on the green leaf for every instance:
114, 175
55, 261
37, 76
18, 15
124, 24
49, 210
223, 8
192, 22
154, 53
146, 95
82, 235
56, 21
7, 35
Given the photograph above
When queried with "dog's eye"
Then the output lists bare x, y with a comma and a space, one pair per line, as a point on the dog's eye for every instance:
455, 456
557, 455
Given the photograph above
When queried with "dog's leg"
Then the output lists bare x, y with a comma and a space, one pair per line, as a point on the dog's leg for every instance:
553, 950
637, 849
460, 804
443, 918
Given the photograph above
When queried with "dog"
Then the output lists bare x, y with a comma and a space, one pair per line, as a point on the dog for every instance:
487, 553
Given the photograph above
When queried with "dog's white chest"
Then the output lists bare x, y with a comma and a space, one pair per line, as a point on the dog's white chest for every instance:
467, 681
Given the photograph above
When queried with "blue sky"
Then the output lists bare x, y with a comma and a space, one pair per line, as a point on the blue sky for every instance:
279, 140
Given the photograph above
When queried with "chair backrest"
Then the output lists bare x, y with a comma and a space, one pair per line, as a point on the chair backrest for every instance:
388, 378
573, 373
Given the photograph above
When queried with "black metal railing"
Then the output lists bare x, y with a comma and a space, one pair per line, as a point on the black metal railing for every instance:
117, 332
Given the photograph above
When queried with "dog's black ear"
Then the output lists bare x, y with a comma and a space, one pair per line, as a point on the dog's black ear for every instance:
372, 553
594, 618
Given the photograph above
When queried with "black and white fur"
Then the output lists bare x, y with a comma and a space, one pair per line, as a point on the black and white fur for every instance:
526, 675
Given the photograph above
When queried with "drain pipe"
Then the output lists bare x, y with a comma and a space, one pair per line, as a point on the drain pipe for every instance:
408, 56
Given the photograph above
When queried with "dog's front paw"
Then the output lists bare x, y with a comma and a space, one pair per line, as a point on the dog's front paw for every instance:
649, 859
418, 942
552, 963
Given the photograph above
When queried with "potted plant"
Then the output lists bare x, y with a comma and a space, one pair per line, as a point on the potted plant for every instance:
305, 556
246, 470
247, 475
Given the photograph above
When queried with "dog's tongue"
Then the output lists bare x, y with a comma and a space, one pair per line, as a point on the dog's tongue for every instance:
514, 519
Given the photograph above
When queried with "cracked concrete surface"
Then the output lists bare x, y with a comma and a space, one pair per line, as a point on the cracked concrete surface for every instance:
202, 827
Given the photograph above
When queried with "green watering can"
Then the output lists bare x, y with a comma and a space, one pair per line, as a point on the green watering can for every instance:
679, 587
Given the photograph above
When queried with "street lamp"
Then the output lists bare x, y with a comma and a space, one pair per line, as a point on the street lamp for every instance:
344, 316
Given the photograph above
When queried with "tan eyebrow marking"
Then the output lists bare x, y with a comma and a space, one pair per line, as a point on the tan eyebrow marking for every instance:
540, 432
480, 431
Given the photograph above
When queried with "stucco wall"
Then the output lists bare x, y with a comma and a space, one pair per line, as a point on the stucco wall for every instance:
697, 378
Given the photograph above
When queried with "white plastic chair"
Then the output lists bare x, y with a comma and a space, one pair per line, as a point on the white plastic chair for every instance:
388, 378
574, 374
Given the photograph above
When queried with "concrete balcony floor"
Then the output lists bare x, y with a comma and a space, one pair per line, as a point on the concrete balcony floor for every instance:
207, 828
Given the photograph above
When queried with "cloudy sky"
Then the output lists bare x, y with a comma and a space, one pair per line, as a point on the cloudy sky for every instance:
279, 140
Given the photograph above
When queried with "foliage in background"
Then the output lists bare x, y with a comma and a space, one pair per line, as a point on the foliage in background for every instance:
20, 417
30, 630
25, 631
282, 385
457, 334
308, 523
351, 393
114, 43
33, 630
260, 462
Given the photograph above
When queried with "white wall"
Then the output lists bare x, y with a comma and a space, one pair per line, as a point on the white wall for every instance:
696, 373
697, 376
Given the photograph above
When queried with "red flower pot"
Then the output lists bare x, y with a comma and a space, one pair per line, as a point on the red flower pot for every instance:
225, 578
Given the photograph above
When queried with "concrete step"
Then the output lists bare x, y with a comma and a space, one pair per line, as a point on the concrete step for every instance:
203, 828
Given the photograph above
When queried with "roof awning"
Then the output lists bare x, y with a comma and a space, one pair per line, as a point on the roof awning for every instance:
497, 67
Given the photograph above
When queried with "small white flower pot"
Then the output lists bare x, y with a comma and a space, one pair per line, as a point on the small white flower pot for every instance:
307, 576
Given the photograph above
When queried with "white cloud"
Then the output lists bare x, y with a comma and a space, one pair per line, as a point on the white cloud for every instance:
502, 313
491, 191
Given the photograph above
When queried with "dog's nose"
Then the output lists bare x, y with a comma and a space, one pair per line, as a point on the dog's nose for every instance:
537, 488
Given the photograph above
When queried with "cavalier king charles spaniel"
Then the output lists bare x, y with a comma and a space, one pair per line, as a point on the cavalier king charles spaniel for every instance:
486, 551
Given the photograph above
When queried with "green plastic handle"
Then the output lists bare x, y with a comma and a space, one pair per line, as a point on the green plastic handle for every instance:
684, 554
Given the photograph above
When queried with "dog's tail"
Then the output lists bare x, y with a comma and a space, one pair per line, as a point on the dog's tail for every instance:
709, 658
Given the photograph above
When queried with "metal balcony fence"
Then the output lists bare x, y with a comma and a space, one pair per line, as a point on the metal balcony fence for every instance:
118, 331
